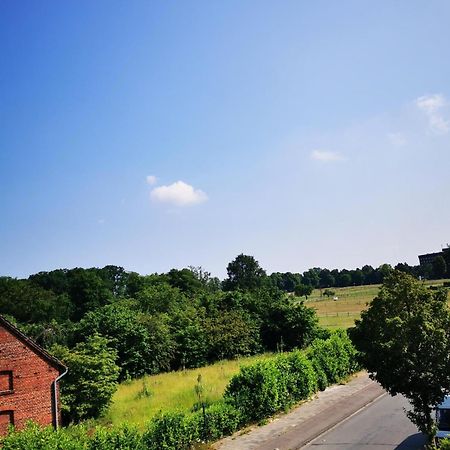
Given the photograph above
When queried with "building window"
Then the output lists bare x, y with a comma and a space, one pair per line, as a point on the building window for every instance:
6, 382
6, 419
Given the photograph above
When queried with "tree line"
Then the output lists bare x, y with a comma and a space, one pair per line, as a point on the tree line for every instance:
109, 325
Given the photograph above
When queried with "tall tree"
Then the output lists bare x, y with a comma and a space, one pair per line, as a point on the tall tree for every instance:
244, 273
91, 380
404, 337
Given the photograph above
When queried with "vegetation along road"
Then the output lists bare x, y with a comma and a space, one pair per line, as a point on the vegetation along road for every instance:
343, 417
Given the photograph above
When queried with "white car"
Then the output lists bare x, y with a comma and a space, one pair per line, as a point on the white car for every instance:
443, 419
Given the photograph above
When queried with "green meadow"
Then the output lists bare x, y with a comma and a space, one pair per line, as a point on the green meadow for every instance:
139, 400
343, 312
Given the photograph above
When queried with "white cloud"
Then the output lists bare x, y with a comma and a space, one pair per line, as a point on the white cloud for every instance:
151, 180
325, 156
178, 194
431, 105
439, 125
397, 139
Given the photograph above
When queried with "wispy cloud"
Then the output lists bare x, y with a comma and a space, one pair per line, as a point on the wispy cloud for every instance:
432, 105
178, 194
326, 156
151, 180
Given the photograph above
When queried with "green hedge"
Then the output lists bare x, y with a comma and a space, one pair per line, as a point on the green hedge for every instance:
255, 393
261, 390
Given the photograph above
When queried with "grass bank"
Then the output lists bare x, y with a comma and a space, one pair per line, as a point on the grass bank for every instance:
138, 401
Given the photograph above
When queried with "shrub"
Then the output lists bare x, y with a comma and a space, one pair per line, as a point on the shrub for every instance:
34, 437
170, 431
335, 357
255, 391
220, 419
303, 379
260, 390
122, 438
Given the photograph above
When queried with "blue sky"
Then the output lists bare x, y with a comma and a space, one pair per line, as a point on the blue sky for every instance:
154, 135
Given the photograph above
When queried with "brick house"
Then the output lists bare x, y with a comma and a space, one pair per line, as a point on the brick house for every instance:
29, 376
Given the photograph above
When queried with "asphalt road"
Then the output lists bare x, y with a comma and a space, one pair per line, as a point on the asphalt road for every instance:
382, 425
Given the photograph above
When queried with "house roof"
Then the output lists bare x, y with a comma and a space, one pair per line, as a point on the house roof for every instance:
36, 348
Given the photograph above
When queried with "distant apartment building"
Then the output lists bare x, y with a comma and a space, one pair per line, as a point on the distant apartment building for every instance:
428, 258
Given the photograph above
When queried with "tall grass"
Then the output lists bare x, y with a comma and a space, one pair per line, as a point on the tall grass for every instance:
136, 402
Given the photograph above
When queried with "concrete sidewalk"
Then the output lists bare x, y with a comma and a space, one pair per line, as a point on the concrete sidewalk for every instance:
309, 420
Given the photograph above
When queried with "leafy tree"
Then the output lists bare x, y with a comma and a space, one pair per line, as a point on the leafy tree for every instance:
30, 303
244, 273
290, 325
87, 389
311, 277
303, 290
142, 345
328, 292
231, 334
185, 280
326, 279
191, 341
357, 277
344, 279
404, 337
209, 283
384, 271
115, 278
160, 298
87, 291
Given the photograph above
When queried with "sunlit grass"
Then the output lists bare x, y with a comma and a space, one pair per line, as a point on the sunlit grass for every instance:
170, 391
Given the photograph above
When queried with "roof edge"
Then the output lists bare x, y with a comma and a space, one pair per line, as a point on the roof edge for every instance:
32, 345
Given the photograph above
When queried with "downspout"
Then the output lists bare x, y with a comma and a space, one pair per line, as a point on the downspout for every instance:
55, 396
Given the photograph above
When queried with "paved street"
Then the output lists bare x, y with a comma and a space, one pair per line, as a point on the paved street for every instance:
358, 415
382, 425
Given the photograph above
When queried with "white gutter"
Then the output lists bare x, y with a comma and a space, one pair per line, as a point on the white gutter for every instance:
55, 385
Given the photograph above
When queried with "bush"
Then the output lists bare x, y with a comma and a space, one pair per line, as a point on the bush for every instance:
170, 431
335, 357
255, 391
33, 437
122, 438
303, 379
220, 419
260, 390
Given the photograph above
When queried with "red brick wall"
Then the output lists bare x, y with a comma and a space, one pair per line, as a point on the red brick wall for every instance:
32, 378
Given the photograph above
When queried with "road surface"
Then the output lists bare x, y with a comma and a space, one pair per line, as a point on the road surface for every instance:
381, 425
357, 415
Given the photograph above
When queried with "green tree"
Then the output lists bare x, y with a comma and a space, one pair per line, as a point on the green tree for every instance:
303, 290
143, 344
231, 334
289, 325
30, 303
87, 389
404, 337
244, 273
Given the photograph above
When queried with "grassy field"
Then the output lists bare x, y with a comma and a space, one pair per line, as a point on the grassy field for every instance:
139, 400
351, 301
